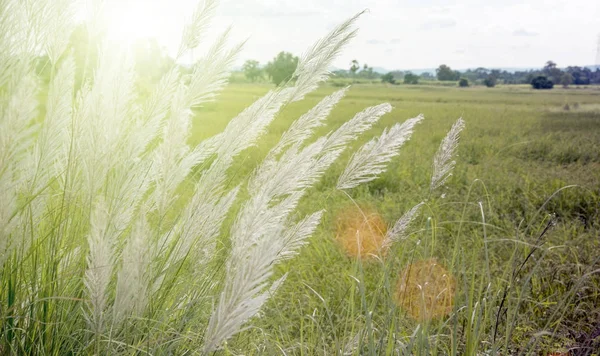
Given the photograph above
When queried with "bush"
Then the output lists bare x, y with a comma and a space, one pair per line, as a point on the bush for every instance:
490, 81
410, 78
541, 82
463, 82
388, 78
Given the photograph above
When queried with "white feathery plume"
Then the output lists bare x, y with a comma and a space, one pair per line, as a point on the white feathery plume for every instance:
259, 232
442, 162
398, 231
174, 160
211, 73
46, 159
155, 109
17, 43
372, 158
200, 224
295, 236
17, 127
313, 66
131, 290
99, 265
104, 118
167, 172
50, 149
236, 310
58, 28
17, 130
304, 127
193, 31
360, 123
244, 130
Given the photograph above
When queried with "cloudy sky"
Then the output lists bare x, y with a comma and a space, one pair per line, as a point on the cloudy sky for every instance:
402, 34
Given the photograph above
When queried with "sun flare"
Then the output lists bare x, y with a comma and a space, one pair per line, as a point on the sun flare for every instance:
132, 20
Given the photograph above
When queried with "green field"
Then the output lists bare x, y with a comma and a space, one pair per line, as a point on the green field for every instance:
527, 179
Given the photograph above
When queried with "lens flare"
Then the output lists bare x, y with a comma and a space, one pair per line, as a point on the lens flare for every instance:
426, 290
361, 232
131, 20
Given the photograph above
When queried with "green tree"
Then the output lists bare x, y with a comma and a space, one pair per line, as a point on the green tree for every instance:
282, 67
463, 82
541, 82
388, 78
410, 78
552, 72
354, 66
490, 81
252, 70
445, 73
426, 76
566, 79
367, 72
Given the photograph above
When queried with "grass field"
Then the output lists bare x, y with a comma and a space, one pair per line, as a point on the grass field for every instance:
517, 226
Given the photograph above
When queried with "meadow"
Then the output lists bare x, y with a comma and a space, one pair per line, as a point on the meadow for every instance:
160, 210
517, 226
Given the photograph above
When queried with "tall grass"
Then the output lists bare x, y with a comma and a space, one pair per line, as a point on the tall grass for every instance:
119, 237
100, 252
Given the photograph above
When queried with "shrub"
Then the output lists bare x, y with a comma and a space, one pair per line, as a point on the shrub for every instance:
388, 78
541, 82
463, 82
566, 79
282, 68
410, 78
490, 81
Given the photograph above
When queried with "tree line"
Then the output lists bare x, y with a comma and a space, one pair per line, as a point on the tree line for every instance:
282, 67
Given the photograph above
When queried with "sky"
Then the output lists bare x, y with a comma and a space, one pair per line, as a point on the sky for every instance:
402, 34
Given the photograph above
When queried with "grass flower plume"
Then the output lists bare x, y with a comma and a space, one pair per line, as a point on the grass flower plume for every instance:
105, 231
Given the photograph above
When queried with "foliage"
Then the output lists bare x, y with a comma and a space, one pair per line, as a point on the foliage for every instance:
463, 82
354, 66
252, 70
541, 82
551, 71
584, 76
410, 78
282, 68
445, 73
566, 79
490, 81
388, 78
397, 74
427, 76
581, 76
367, 72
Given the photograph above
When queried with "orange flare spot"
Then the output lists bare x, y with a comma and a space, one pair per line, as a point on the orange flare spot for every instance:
425, 290
361, 232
